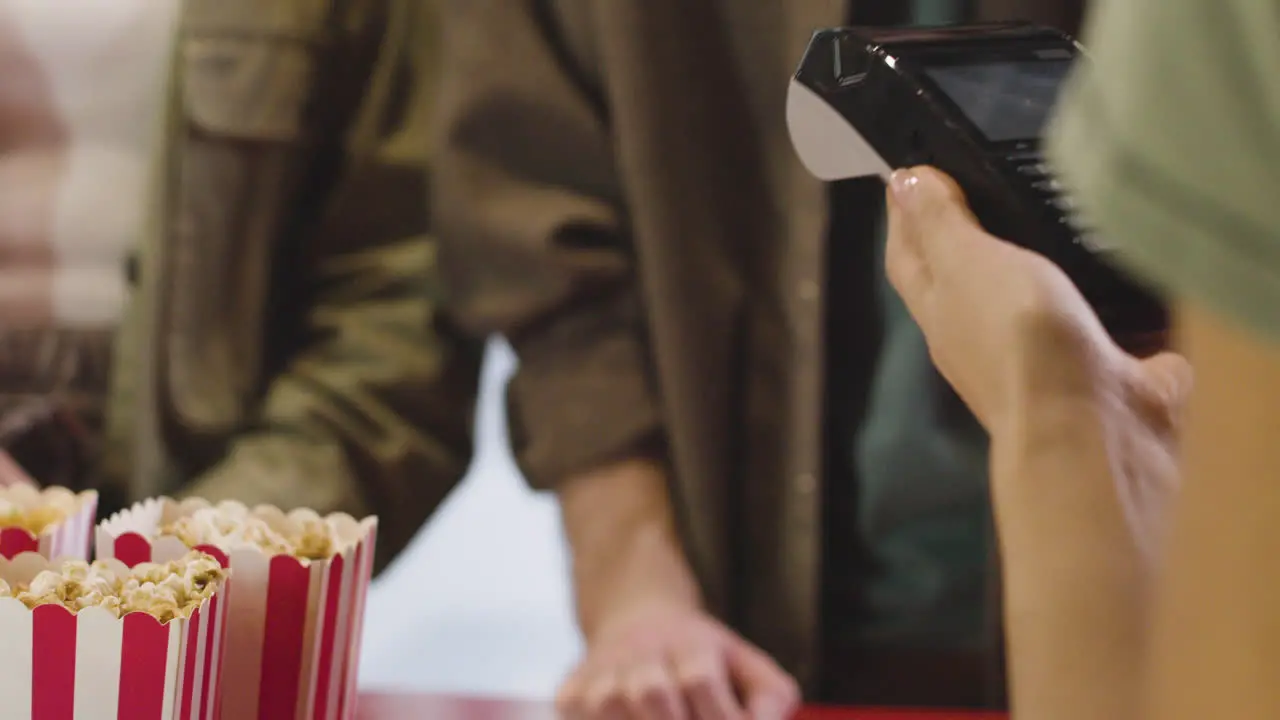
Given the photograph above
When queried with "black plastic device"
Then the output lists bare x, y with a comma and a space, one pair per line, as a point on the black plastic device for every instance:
972, 101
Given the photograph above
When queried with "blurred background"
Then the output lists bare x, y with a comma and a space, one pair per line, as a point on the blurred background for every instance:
216, 277
479, 603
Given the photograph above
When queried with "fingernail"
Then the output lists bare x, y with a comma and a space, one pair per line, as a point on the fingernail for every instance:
904, 184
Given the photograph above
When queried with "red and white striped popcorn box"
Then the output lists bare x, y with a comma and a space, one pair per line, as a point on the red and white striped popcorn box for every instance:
92, 665
70, 538
294, 625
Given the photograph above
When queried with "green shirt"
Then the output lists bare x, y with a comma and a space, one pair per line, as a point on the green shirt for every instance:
1170, 140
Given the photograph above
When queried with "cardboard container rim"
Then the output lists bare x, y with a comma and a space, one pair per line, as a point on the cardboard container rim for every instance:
82, 498
31, 492
192, 504
352, 531
200, 609
96, 663
27, 495
32, 562
223, 555
67, 537
292, 639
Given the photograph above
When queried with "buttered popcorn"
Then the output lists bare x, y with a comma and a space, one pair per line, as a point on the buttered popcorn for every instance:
165, 590
229, 526
34, 520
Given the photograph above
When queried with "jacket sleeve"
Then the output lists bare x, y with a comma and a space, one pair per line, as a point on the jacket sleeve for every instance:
534, 236
373, 414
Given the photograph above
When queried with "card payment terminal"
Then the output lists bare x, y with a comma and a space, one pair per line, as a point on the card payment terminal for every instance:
972, 101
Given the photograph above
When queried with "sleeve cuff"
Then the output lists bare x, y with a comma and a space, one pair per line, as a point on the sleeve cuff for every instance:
583, 397
1183, 242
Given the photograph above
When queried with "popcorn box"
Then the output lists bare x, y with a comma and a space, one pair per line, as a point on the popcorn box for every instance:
93, 665
294, 625
69, 536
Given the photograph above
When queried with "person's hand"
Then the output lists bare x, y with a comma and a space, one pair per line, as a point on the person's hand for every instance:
1004, 325
1011, 333
11, 473
653, 652
1084, 456
667, 660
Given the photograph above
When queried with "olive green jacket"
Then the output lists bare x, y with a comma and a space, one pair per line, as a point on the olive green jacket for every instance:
284, 342
618, 195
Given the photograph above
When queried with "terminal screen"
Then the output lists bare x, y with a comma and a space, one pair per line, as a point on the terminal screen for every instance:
1005, 100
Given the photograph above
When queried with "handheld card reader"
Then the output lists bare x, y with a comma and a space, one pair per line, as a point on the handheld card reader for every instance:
971, 101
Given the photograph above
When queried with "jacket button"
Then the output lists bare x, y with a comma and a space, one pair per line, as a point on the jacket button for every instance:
807, 291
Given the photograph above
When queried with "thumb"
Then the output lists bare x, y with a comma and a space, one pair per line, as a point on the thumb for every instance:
920, 202
933, 204
767, 691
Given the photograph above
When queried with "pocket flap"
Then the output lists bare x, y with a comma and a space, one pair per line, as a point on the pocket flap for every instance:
245, 87
293, 19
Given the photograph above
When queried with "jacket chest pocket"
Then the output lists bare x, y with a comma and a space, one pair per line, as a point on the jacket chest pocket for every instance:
245, 109
247, 88
249, 66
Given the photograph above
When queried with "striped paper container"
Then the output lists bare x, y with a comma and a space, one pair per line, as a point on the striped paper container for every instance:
92, 665
294, 626
70, 538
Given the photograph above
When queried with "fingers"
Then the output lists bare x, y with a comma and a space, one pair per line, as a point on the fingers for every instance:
934, 205
929, 224
931, 200
770, 693
696, 670
570, 696
605, 699
592, 693
1170, 378
1160, 389
905, 260
652, 694
693, 686
705, 681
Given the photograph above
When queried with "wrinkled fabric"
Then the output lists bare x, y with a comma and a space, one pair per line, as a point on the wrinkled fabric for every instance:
1182, 176
285, 342
618, 195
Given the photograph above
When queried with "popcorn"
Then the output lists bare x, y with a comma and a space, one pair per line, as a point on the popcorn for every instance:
316, 539
294, 620
34, 520
164, 590
231, 526
53, 521
151, 638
